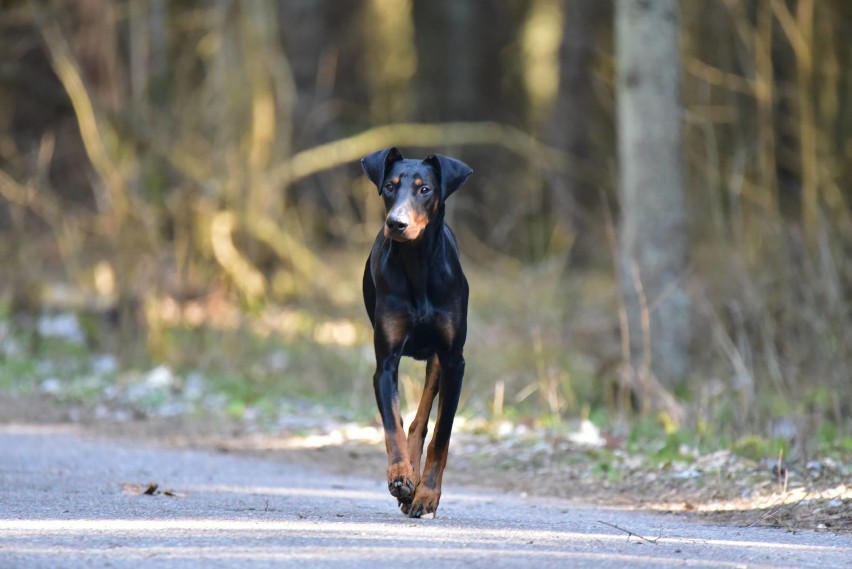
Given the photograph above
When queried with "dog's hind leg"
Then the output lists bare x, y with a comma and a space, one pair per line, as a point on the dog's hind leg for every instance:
420, 425
428, 492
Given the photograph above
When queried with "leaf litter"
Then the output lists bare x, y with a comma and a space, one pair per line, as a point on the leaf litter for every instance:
150, 489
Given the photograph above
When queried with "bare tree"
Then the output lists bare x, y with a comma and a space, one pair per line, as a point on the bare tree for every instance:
574, 118
653, 247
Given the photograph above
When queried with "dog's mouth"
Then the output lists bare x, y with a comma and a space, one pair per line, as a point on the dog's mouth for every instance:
402, 235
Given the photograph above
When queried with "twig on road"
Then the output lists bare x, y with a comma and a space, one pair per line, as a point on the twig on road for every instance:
630, 533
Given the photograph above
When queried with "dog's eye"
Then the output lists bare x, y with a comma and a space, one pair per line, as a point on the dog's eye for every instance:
389, 188
424, 190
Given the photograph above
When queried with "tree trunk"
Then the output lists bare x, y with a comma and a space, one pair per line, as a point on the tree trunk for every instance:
653, 248
572, 121
392, 59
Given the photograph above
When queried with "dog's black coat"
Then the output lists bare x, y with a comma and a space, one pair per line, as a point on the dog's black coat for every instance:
416, 296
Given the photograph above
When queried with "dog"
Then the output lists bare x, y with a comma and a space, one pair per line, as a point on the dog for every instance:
416, 296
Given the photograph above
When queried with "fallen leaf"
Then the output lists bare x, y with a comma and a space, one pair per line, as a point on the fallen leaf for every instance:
150, 489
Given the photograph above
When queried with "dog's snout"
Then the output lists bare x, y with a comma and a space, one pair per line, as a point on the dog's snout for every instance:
397, 224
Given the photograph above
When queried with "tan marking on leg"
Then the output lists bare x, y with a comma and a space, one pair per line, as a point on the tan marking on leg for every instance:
419, 221
401, 481
428, 491
417, 431
427, 495
447, 329
394, 327
397, 447
425, 502
433, 470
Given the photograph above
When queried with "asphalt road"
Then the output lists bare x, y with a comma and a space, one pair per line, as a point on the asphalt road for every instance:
70, 501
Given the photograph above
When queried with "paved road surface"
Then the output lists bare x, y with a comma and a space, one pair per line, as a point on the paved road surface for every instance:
63, 504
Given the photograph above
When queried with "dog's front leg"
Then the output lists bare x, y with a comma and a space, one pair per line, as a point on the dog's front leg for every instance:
401, 478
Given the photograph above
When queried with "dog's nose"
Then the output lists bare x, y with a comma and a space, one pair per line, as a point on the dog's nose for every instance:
396, 224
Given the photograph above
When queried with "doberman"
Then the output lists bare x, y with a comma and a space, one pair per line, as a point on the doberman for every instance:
416, 296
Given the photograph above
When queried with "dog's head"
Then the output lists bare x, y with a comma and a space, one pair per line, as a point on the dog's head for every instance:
413, 190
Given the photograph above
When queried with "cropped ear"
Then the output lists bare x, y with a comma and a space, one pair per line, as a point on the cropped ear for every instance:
377, 164
451, 172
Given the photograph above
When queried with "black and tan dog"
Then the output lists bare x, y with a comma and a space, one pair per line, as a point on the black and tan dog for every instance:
416, 296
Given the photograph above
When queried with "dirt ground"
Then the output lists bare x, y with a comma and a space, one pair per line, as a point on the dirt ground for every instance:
720, 488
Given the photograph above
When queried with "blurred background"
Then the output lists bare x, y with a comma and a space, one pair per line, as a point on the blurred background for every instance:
657, 231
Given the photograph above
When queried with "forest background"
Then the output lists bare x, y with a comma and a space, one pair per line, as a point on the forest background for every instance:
657, 232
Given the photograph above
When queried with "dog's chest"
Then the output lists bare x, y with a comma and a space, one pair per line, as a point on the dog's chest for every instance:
423, 341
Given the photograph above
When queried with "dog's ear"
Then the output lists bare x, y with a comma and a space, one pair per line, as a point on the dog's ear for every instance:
377, 164
451, 172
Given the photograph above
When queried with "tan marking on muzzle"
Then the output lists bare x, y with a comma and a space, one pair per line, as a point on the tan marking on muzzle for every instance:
408, 212
417, 223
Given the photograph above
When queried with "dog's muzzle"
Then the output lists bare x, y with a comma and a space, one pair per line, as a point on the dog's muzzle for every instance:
398, 225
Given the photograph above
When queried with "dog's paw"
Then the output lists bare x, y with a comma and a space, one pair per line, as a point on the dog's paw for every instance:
425, 503
400, 483
402, 489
